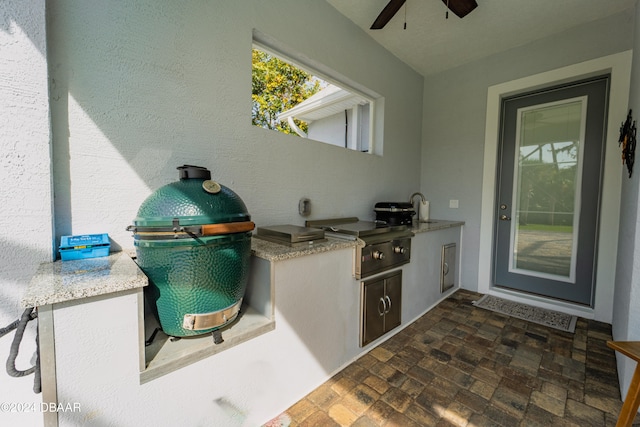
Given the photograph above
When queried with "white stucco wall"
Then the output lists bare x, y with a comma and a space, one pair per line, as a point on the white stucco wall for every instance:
142, 88
139, 88
626, 312
455, 111
25, 198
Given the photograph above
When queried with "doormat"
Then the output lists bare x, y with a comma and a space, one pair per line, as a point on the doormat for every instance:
541, 316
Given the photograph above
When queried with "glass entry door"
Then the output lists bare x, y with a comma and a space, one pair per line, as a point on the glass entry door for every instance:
549, 191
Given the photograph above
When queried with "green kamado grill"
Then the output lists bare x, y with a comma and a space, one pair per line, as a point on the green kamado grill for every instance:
193, 241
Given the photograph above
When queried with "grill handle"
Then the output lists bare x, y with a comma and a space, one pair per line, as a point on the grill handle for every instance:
227, 228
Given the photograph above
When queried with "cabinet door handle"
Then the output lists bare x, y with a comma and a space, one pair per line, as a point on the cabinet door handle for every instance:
386, 297
384, 307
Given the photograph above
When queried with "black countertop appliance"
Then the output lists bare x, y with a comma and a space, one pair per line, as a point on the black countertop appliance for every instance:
394, 213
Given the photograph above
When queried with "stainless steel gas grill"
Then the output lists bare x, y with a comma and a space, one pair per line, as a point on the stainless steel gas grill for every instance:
381, 250
383, 247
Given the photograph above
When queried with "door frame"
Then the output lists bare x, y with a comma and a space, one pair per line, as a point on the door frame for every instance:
619, 66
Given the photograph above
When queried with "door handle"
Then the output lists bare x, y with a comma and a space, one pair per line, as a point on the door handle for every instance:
389, 306
384, 307
503, 217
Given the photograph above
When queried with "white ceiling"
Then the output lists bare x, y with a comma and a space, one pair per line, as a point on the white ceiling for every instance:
432, 44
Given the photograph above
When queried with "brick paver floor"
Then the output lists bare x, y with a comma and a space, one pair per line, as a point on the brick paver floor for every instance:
459, 365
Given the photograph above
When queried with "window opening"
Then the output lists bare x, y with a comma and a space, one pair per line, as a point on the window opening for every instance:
298, 100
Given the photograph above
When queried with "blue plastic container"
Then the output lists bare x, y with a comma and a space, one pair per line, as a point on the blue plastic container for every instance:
86, 246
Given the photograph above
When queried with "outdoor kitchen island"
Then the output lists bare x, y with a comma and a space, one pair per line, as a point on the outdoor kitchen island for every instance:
315, 304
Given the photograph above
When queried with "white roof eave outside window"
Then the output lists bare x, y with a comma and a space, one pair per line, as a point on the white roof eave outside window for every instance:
325, 103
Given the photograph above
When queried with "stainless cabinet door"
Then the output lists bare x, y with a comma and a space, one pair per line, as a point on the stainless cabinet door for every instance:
373, 308
448, 267
381, 302
393, 299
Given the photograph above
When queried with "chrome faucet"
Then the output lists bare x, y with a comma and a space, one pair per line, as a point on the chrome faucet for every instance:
423, 199
417, 194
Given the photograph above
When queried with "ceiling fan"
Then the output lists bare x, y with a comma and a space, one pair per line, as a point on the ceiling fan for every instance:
459, 7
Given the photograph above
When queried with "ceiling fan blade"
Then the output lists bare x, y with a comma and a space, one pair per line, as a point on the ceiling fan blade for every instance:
461, 7
387, 13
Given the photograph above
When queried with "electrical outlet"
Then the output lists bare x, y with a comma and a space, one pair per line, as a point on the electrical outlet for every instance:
453, 204
304, 207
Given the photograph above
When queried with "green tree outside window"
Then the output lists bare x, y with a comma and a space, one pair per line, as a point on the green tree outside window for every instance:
278, 86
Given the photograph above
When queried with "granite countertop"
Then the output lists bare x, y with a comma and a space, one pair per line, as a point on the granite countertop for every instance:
434, 224
277, 252
60, 281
